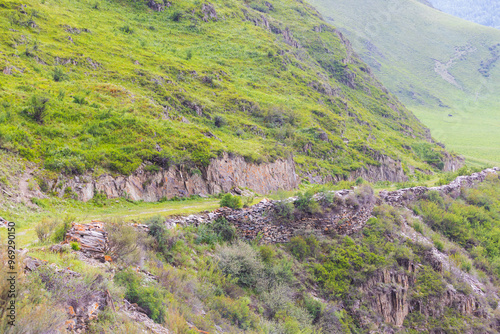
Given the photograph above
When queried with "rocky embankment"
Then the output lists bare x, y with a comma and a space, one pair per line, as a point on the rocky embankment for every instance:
84, 301
344, 212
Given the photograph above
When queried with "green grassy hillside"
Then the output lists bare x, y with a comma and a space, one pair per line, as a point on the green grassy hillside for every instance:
106, 86
437, 64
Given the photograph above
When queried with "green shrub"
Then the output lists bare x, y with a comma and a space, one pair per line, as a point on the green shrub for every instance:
236, 311
176, 16
302, 247
429, 283
123, 242
127, 29
283, 210
435, 197
79, 100
224, 229
313, 306
218, 231
247, 201
58, 74
75, 246
298, 247
417, 226
100, 198
62, 229
147, 297
359, 181
241, 262
351, 200
306, 204
230, 201
439, 245
267, 254
427, 153
37, 108
44, 229
219, 121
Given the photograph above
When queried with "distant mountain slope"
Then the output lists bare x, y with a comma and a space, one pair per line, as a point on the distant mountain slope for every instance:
108, 86
485, 12
437, 64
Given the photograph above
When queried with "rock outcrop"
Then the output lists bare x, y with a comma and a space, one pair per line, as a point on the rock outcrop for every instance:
92, 239
388, 291
221, 175
388, 169
389, 296
82, 301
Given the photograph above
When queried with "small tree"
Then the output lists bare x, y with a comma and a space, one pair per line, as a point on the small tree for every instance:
58, 74
37, 108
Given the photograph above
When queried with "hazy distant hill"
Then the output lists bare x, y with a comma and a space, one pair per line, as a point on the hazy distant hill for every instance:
438, 64
485, 12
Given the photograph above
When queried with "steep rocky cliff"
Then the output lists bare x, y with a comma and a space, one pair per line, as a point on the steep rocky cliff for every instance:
222, 175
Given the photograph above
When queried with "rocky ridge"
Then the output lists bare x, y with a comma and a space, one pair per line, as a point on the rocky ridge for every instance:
220, 176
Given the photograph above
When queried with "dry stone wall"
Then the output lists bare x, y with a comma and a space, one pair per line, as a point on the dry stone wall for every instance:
403, 196
344, 219
260, 220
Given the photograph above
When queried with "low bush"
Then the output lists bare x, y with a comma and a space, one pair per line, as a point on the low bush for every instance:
148, 298
306, 204
267, 254
169, 243
44, 229
302, 247
351, 200
124, 242
364, 195
219, 121
218, 231
58, 74
283, 211
240, 261
37, 108
61, 229
230, 201
429, 283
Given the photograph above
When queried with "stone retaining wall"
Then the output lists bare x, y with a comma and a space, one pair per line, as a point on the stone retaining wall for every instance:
343, 219
403, 196
261, 220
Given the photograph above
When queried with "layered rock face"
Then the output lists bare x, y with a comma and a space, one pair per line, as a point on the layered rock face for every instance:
221, 175
387, 170
388, 293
